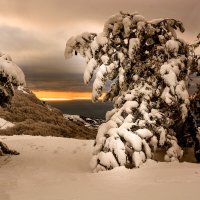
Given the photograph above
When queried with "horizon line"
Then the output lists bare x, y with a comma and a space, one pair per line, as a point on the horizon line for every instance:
62, 95
63, 99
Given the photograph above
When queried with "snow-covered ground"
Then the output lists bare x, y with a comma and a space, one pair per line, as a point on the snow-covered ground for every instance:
51, 168
5, 124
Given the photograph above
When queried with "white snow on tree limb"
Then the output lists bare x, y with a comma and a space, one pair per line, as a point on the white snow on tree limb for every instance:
166, 96
115, 145
94, 46
129, 105
134, 44
92, 64
129, 119
168, 75
155, 21
102, 131
121, 77
10, 69
147, 149
70, 47
101, 77
163, 134
105, 127
98, 147
174, 152
105, 59
107, 159
121, 56
181, 90
127, 26
172, 46
79, 44
134, 140
109, 25
101, 39
109, 114
137, 18
154, 143
144, 133
127, 125
156, 114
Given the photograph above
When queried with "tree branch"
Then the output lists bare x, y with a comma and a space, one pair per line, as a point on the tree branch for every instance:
5, 150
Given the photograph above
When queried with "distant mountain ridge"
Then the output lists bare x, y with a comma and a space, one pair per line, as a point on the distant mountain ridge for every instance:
32, 116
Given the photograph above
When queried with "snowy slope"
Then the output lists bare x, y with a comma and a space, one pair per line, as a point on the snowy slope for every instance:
5, 124
32, 116
50, 168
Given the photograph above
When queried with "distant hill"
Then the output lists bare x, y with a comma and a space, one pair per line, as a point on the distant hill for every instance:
32, 116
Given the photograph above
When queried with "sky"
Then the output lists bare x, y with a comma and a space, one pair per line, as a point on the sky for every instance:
34, 33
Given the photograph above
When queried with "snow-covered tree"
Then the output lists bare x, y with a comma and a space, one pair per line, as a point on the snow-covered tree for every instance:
11, 76
148, 69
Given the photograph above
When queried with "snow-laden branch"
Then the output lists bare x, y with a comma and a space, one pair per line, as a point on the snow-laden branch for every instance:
148, 69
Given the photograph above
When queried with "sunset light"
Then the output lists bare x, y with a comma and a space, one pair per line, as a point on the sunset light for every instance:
62, 96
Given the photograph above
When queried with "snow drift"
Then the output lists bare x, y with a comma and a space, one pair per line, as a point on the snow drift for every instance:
50, 168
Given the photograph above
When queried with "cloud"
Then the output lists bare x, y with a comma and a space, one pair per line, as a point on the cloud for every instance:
15, 39
42, 60
35, 32
58, 82
52, 13
36, 52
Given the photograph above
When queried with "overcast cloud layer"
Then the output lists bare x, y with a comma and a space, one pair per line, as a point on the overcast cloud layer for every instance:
35, 33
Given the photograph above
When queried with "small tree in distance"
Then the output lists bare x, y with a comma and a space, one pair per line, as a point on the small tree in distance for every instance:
148, 67
11, 76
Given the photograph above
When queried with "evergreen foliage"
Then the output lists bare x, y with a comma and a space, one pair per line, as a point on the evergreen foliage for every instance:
148, 67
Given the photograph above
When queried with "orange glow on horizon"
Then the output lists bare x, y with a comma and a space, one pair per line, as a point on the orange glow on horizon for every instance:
61, 96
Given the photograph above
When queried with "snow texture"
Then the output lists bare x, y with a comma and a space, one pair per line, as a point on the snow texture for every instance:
10, 69
5, 124
172, 46
57, 168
